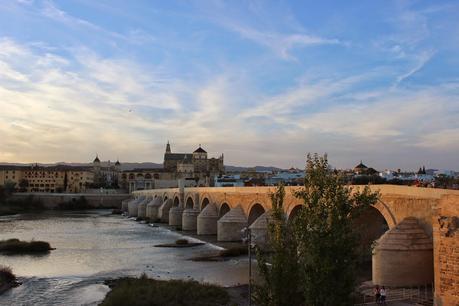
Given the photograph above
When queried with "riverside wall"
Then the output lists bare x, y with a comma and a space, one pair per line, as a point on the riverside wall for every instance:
54, 200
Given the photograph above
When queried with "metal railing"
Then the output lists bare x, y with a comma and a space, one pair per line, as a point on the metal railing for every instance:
421, 295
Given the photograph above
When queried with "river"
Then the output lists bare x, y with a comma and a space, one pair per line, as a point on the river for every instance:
92, 246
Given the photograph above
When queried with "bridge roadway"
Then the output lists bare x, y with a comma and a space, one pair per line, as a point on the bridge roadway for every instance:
226, 211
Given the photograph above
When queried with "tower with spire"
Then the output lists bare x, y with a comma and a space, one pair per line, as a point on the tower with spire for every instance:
168, 148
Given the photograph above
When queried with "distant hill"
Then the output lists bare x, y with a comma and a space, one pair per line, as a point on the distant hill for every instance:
124, 166
257, 168
144, 165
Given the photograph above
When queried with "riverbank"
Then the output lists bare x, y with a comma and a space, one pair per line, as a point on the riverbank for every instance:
147, 291
93, 246
17, 203
19, 206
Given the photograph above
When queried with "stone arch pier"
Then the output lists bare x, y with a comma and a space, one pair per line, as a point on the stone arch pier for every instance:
225, 211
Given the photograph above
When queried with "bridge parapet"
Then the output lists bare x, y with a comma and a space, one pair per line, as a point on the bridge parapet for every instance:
396, 202
246, 205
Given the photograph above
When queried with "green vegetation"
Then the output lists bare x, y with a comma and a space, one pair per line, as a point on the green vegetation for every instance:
75, 204
181, 241
280, 271
314, 257
234, 251
15, 246
6, 276
144, 291
10, 206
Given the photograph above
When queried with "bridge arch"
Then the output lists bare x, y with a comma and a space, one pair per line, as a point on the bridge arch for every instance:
189, 203
176, 201
204, 203
370, 225
224, 208
294, 211
255, 211
385, 211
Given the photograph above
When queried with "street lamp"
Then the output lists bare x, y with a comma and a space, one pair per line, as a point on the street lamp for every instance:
247, 238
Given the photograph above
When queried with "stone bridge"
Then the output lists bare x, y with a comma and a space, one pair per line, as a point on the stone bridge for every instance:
401, 213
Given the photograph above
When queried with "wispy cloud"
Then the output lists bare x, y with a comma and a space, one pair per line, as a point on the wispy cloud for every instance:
420, 61
279, 43
134, 36
263, 83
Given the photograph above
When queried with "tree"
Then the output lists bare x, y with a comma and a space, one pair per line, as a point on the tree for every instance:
279, 271
2, 193
23, 184
326, 241
65, 181
9, 187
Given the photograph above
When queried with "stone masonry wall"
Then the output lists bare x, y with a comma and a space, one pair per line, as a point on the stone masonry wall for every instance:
446, 251
52, 200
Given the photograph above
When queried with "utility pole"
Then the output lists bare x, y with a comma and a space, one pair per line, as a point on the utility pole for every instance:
249, 232
247, 237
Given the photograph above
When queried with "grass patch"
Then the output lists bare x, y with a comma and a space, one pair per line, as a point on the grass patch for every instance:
234, 251
15, 246
144, 291
181, 241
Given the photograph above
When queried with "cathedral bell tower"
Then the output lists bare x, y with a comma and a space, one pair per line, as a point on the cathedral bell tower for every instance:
168, 147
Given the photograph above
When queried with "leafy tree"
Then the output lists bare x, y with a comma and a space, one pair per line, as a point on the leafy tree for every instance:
9, 187
2, 193
23, 184
279, 271
65, 181
326, 241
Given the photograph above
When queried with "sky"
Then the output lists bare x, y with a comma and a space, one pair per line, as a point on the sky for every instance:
264, 82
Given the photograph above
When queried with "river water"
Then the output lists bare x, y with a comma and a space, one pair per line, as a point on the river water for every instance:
92, 246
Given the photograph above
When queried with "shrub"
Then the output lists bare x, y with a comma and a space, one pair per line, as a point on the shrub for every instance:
145, 291
6, 275
15, 246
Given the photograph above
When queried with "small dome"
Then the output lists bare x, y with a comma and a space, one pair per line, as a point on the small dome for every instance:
96, 160
117, 163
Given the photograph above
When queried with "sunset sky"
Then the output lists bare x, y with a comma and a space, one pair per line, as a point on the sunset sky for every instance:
262, 82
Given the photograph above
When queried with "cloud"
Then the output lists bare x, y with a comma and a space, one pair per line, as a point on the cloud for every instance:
446, 139
420, 61
134, 36
281, 44
56, 108
92, 89
52, 110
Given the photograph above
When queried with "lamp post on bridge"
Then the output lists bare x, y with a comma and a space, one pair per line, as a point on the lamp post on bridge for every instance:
247, 238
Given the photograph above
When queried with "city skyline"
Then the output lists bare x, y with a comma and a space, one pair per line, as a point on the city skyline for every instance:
263, 83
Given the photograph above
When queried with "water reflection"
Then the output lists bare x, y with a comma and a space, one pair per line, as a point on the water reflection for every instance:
93, 246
